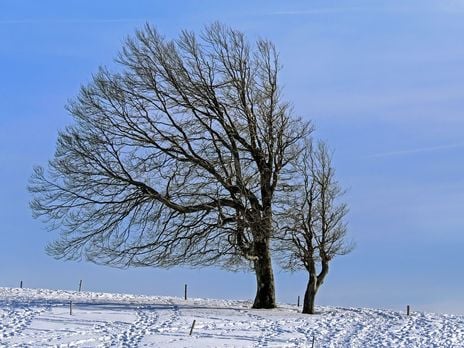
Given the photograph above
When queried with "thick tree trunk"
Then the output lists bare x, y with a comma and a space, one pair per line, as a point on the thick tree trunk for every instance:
265, 292
310, 295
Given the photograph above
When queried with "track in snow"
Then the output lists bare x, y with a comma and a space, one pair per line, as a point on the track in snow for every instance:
145, 323
16, 316
40, 318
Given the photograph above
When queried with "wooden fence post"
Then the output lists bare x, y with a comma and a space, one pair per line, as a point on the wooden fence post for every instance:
298, 303
70, 307
80, 285
21, 284
407, 310
185, 292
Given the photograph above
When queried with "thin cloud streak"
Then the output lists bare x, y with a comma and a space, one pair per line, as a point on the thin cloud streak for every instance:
317, 11
366, 101
69, 21
416, 151
443, 6
329, 10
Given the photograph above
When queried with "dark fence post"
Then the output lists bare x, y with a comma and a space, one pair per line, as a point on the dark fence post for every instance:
21, 284
407, 310
80, 285
298, 303
191, 329
185, 292
70, 307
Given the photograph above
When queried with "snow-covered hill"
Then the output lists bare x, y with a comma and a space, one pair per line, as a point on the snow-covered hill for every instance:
41, 318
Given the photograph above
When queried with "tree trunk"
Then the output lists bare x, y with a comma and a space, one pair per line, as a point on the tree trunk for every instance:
310, 295
314, 283
265, 293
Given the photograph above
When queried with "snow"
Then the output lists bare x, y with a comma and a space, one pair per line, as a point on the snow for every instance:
41, 318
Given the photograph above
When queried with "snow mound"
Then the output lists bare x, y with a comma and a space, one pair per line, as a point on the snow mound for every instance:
41, 318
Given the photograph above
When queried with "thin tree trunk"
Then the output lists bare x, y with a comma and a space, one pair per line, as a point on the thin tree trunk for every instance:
314, 283
310, 295
265, 292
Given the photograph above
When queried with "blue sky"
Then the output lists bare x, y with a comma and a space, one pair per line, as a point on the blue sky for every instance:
382, 81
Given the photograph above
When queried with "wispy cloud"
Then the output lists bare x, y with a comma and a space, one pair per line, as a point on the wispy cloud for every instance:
368, 102
68, 21
450, 6
316, 11
444, 6
416, 151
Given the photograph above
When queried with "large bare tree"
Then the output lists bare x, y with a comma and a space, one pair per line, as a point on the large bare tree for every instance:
313, 230
174, 158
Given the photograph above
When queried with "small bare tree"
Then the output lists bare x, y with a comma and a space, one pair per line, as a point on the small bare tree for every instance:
313, 230
174, 159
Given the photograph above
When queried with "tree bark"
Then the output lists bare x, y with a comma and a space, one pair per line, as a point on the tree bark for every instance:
310, 295
265, 291
314, 282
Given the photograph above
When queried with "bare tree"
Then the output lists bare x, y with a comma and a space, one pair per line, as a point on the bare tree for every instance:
313, 230
174, 159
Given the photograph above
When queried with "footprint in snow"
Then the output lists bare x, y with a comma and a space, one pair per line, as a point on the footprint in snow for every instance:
133, 335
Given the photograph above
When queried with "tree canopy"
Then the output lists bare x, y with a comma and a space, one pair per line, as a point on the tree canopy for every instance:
177, 157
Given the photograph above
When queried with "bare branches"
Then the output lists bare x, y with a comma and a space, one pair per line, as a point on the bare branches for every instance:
176, 158
312, 226
314, 219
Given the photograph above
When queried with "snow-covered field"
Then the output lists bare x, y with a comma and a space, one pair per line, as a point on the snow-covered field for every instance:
41, 318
